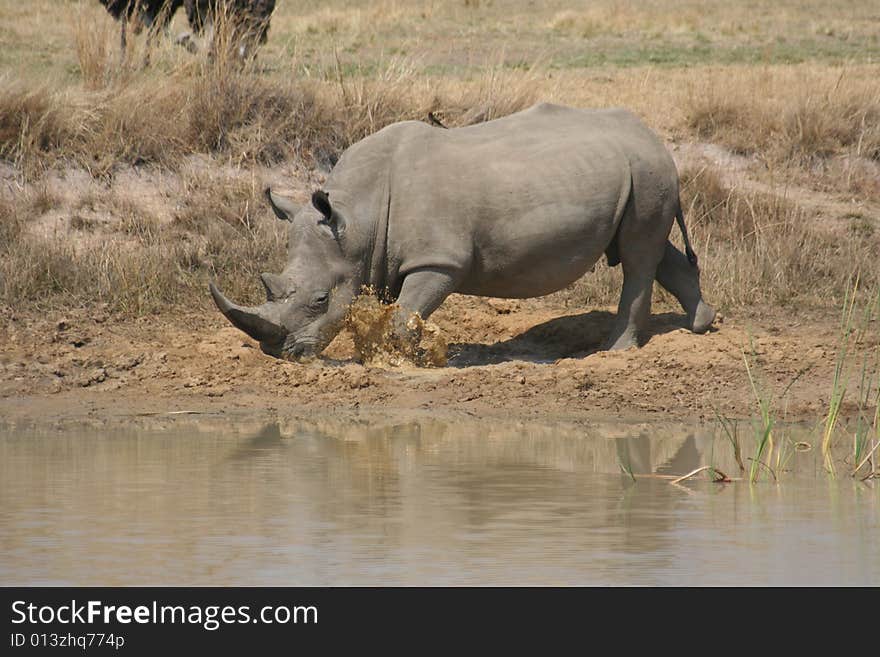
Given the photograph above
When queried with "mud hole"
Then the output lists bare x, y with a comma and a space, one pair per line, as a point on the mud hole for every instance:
512, 358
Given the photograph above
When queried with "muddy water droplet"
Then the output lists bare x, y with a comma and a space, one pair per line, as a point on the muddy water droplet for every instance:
371, 324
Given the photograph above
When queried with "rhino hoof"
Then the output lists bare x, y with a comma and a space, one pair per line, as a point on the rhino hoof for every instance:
703, 318
626, 341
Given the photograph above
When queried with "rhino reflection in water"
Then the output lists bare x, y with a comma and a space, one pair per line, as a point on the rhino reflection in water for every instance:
517, 207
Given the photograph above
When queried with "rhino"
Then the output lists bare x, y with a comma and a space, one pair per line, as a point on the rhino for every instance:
516, 207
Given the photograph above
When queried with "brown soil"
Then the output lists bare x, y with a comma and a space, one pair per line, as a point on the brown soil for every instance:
520, 358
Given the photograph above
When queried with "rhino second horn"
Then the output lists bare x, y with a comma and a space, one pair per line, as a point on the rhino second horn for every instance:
274, 284
253, 321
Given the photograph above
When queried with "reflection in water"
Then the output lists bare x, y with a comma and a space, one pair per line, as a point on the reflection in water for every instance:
352, 501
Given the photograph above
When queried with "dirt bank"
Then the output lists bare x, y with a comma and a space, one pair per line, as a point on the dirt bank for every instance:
520, 358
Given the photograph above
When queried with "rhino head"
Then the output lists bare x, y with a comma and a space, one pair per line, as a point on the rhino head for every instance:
306, 303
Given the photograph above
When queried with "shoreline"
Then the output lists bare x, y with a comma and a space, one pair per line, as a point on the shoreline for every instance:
530, 360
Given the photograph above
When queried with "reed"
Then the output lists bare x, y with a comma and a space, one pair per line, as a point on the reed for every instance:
764, 430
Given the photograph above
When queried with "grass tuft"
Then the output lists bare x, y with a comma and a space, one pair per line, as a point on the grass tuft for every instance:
801, 127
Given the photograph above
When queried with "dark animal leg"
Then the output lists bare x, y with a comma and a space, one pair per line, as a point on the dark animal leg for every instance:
612, 252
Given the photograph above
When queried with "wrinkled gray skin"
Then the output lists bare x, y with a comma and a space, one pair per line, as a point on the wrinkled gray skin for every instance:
518, 207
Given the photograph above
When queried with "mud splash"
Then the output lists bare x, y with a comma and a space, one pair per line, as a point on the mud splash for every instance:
371, 325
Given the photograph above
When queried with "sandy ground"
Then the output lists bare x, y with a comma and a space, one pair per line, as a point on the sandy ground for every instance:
513, 358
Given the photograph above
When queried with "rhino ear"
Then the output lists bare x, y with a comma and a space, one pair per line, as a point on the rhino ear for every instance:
321, 201
282, 207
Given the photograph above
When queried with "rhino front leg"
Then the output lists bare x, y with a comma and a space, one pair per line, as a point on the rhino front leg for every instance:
682, 280
422, 292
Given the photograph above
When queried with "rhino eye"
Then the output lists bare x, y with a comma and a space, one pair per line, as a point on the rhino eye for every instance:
320, 299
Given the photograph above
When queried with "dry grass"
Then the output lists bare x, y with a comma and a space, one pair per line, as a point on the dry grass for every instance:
241, 116
41, 199
763, 248
32, 126
798, 126
237, 114
786, 17
824, 130
95, 52
145, 265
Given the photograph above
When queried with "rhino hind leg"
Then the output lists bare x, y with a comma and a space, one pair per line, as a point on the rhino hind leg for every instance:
640, 243
682, 280
634, 308
612, 252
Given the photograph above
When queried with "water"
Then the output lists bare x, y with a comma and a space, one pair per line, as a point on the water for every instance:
358, 501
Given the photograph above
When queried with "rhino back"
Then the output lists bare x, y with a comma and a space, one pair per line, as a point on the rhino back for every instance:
523, 205
520, 206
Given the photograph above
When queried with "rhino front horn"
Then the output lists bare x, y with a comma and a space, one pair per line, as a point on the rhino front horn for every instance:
255, 322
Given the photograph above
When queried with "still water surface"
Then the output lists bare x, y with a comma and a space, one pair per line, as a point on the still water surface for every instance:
420, 501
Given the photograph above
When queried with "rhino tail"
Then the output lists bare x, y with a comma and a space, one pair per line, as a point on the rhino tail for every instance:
688, 251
